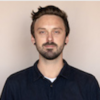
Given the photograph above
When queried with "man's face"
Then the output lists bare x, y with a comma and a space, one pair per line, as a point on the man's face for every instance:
50, 36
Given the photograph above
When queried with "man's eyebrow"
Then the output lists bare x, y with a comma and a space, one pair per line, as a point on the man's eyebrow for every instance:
41, 29
58, 28
45, 28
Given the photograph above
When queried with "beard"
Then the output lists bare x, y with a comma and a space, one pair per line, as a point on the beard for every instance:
48, 53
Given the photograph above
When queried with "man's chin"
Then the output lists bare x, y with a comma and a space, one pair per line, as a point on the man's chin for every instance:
50, 56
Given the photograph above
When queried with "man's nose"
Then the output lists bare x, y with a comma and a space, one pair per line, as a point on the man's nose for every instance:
50, 37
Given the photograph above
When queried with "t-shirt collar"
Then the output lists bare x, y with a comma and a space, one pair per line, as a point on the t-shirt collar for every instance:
65, 71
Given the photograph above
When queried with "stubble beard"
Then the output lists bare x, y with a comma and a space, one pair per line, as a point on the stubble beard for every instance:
49, 54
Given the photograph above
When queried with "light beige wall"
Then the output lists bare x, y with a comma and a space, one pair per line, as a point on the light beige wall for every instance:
17, 51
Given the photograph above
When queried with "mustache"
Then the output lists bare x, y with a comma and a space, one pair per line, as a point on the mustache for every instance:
52, 43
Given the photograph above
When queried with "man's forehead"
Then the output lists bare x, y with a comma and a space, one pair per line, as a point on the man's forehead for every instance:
49, 21
51, 18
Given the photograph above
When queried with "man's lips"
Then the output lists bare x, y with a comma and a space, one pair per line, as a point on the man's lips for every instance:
49, 46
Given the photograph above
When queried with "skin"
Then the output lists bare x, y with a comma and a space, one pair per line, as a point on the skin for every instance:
50, 29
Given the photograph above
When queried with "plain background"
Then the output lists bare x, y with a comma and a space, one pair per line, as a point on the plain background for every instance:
17, 52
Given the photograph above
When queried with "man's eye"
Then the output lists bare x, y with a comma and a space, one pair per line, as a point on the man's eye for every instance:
56, 31
41, 32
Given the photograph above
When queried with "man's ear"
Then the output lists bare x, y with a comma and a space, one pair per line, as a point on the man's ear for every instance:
33, 40
66, 40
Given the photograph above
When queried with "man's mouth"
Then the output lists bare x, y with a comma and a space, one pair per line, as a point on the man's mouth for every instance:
49, 46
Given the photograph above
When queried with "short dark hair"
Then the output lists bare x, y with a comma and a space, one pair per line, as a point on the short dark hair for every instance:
51, 10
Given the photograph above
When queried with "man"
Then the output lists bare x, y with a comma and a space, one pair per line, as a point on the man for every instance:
50, 78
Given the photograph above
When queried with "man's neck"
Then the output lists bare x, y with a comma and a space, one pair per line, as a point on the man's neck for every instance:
50, 68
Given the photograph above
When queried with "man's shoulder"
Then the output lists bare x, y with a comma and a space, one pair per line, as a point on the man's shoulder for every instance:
81, 76
21, 75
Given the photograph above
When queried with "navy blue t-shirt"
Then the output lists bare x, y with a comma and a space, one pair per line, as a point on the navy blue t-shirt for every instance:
70, 84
